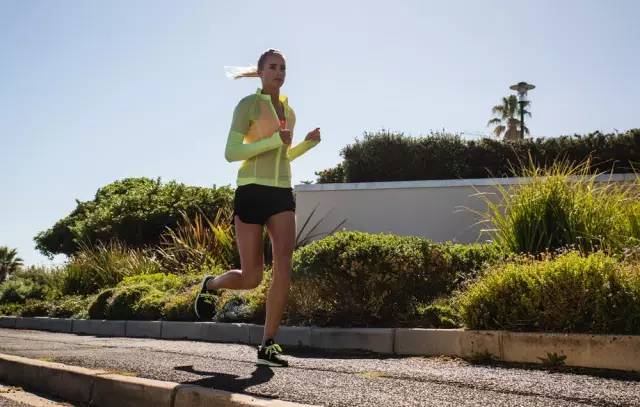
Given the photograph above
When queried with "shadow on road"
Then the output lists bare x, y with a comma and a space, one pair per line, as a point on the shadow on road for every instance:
228, 382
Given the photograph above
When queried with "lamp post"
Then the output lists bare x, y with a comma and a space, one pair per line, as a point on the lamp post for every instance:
522, 88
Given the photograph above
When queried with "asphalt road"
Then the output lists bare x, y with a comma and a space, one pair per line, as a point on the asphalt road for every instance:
333, 379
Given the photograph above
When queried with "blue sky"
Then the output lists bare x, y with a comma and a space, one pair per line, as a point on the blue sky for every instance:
92, 92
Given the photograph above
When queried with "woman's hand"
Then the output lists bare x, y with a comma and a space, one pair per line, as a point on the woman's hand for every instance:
285, 135
313, 135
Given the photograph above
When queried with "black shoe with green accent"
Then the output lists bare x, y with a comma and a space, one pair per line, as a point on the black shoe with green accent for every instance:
205, 302
268, 355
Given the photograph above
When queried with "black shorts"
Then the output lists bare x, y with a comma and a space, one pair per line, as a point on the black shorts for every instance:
255, 203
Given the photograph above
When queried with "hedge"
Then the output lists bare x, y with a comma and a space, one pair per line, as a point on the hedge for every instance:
386, 156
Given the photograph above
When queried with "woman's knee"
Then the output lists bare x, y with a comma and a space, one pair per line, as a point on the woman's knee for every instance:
282, 266
282, 254
251, 278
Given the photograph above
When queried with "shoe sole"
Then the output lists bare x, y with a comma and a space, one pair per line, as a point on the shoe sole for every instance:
264, 362
202, 290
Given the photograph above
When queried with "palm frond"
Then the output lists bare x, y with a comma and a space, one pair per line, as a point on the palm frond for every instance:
494, 121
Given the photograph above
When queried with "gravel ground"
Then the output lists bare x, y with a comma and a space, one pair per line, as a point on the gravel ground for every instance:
332, 379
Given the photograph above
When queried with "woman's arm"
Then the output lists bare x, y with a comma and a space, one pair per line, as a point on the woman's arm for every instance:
301, 148
236, 150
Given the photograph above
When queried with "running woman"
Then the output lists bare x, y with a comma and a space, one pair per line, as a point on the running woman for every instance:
261, 136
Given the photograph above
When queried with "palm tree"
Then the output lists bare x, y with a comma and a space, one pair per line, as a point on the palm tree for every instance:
9, 263
506, 120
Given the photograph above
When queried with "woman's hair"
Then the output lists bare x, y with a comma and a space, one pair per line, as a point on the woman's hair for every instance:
236, 72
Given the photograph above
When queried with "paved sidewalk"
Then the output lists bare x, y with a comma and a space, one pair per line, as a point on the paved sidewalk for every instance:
334, 379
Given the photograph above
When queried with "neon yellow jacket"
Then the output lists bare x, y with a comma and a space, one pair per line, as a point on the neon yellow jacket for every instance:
254, 137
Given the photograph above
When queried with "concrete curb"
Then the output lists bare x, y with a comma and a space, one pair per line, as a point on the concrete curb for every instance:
8, 322
287, 335
46, 324
70, 383
379, 340
196, 396
100, 388
98, 327
144, 329
181, 330
112, 390
620, 352
225, 332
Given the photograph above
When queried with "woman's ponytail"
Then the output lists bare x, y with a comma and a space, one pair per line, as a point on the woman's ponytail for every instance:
236, 72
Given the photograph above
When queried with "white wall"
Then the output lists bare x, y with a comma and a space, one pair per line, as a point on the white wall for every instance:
438, 210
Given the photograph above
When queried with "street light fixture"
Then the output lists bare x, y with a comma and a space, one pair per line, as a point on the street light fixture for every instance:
522, 88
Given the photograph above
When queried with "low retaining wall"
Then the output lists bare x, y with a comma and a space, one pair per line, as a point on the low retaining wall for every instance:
620, 352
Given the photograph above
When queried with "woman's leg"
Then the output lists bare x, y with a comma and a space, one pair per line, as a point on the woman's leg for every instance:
282, 231
249, 238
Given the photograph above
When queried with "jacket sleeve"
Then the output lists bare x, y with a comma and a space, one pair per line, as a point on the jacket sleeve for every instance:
236, 150
303, 146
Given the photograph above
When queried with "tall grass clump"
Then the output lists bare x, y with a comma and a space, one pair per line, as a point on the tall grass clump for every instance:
104, 265
632, 209
199, 242
564, 206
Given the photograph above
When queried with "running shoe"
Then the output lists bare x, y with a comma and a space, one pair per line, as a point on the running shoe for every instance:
205, 302
268, 355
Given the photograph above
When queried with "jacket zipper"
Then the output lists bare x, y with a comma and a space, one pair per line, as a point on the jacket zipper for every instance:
278, 154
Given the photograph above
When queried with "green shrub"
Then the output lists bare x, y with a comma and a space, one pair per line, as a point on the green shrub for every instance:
11, 309
70, 307
331, 175
148, 297
571, 293
440, 315
150, 306
36, 308
180, 306
39, 275
33, 282
356, 279
159, 281
135, 211
563, 207
469, 260
123, 303
99, 303
387, 156
17, 290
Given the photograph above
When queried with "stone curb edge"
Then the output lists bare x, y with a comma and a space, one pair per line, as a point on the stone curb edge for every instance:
101, 388
618, 352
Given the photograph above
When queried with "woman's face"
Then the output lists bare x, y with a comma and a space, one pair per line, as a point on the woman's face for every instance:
273, 72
